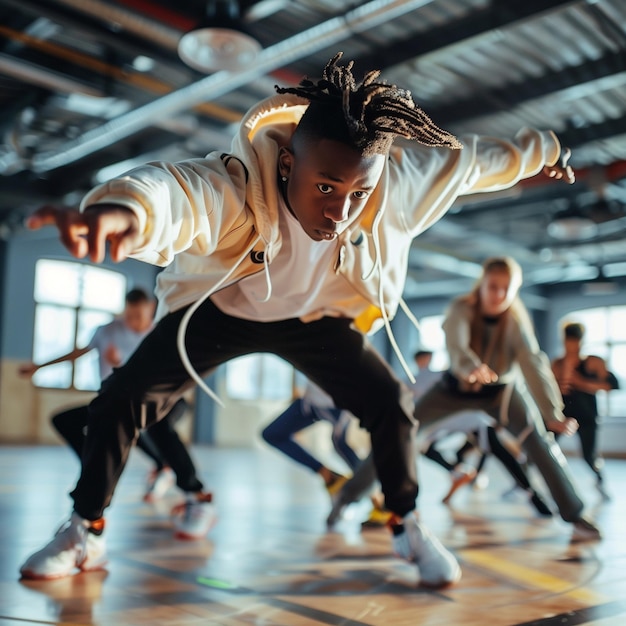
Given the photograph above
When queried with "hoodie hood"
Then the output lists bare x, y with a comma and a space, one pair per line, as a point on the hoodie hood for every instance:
266, 128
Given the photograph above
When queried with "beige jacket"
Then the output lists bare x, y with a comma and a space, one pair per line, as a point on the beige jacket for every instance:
517, 350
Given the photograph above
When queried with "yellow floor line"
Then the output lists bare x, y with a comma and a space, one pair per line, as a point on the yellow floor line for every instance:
531, 577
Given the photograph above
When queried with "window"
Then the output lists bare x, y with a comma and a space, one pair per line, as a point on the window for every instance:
605, 336
259, 377
433, 338
71, 300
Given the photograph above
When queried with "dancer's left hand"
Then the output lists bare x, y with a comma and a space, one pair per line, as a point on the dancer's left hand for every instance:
566, 427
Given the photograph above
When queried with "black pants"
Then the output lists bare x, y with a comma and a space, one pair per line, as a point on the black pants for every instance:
496, 448
160, 442
328, 351
588, 435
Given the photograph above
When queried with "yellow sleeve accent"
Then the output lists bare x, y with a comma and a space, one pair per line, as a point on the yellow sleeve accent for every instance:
364, 322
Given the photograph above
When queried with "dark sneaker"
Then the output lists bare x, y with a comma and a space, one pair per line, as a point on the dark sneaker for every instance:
585, 530
540, 505
606, 496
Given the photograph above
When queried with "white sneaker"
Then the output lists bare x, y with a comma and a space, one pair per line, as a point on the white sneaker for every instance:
72, 547
159, 482
437, 566
195, 517
480, 482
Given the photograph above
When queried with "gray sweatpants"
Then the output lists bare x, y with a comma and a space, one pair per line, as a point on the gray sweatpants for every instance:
520, 416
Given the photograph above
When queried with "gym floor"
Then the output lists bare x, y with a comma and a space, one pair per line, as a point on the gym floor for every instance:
270, 559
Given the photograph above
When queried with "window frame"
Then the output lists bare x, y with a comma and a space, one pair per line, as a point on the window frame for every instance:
72, 373
611, 404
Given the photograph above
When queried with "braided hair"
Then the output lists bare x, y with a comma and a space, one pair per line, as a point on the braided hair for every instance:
367, 116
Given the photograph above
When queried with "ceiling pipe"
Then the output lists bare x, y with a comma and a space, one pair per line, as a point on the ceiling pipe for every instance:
55, 15
128, 21
12, 162
451, 229
327, 33
48, 79
590, 252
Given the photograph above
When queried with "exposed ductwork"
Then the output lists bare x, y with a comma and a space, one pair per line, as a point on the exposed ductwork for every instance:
47, 79
131, 22
336, 29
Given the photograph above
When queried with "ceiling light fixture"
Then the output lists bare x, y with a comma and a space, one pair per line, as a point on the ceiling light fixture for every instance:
572, 225
601, 285
220, 41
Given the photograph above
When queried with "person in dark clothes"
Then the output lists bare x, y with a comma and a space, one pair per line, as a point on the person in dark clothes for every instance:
580, 377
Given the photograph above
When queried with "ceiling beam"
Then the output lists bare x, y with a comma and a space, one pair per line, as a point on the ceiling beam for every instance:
497, 14
512, 95
608, 129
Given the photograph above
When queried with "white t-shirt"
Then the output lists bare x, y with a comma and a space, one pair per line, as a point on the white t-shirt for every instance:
304, 283
116, 334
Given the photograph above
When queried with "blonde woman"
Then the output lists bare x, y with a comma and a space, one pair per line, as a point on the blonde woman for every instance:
496, 366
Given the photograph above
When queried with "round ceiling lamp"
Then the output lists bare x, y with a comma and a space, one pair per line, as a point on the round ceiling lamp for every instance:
220, 42
572, 225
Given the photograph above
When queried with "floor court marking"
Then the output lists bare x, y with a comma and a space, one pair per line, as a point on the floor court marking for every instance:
532, 577
215, 584
583, 616
276, 601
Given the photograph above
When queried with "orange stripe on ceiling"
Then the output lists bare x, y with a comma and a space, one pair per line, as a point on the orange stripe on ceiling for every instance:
185, 24
162, 14
135, 79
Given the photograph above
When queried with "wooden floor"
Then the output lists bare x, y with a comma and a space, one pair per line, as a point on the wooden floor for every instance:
271, 561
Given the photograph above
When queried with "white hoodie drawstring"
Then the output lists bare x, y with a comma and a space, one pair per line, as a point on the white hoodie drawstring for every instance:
184, 322
392, 339
375, 264
266, 270
182, 328
405, 307
381, 301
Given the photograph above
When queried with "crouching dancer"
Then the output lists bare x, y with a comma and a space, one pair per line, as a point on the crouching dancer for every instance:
293, 243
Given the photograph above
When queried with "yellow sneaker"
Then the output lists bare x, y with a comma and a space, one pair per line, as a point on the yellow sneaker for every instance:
335, 485
377, 518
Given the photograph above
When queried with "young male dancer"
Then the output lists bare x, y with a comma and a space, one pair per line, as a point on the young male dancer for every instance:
293, 243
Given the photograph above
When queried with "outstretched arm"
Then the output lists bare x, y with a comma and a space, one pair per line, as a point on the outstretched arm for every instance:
87, 233
602, 381
28, 369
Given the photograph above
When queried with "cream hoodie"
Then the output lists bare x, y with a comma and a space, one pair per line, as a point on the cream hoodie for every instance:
205, 219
